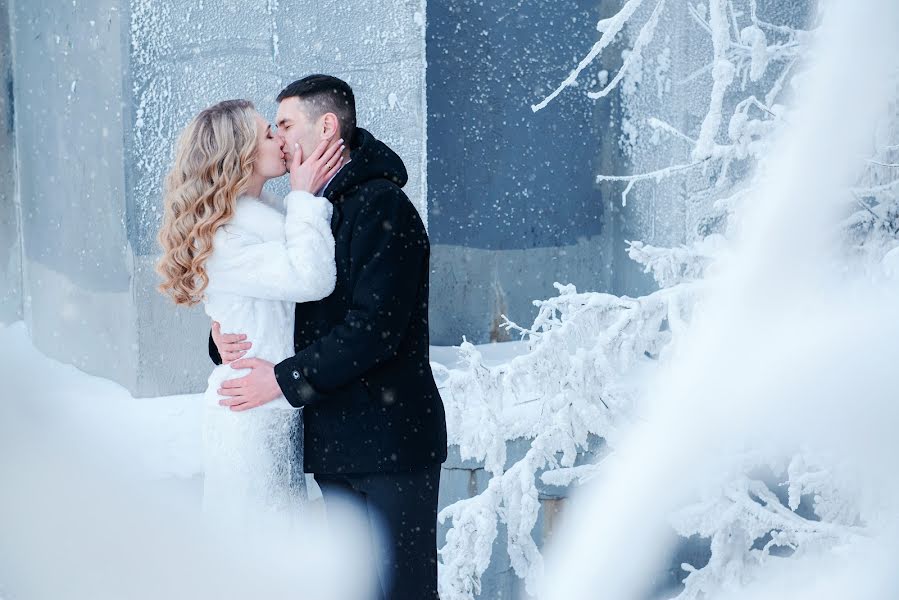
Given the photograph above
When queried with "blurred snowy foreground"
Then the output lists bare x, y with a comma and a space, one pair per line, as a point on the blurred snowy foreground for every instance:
101, 495
101, 498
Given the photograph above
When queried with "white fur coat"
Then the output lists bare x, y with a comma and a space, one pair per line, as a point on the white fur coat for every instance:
270, 256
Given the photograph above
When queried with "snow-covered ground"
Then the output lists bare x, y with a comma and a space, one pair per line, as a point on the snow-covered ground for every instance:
87, 469
159, 437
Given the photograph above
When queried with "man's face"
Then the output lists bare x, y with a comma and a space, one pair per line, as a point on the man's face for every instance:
295, 127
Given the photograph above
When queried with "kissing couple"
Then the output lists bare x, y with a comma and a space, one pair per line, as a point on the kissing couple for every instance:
319, 304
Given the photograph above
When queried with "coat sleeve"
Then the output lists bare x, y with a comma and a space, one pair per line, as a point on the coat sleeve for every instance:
214, 351
389, 249
298, 268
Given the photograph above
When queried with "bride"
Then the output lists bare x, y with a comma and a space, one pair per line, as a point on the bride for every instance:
249, 257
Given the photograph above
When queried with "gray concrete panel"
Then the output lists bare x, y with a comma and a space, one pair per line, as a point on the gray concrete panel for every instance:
68, 67
473, 287
10, 238
513, 201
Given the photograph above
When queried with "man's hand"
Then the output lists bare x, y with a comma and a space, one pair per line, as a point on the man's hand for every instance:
231, 346
252, 390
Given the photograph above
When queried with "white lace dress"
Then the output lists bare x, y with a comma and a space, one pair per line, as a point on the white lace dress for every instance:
270, 256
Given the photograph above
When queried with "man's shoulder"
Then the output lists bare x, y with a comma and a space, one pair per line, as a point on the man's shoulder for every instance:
377, 187
380, 197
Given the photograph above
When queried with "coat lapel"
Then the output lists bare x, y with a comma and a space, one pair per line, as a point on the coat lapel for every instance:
336, 218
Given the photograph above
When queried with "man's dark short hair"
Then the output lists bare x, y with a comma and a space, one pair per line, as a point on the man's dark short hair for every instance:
324, 94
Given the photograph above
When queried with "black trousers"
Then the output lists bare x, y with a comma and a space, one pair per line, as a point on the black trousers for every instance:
402, 514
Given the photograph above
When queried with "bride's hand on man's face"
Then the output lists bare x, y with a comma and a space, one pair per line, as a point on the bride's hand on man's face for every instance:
311, 173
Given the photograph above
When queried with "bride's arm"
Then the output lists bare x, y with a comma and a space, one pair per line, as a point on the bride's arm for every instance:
299, 268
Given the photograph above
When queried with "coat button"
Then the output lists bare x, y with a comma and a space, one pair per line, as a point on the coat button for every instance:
296, 374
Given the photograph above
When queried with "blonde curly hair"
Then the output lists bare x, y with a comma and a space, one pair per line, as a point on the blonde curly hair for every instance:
213, 166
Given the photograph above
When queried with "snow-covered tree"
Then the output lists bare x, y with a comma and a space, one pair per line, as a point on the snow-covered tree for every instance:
586, 351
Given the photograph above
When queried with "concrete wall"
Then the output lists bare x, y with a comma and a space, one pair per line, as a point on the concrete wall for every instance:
102, 89
10, 239
473, 287
68, 88
513, 202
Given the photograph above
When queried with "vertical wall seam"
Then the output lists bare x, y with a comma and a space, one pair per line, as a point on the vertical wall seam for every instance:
24, 302
423, 7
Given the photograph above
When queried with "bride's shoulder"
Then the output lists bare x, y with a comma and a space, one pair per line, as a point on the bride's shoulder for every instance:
255, 215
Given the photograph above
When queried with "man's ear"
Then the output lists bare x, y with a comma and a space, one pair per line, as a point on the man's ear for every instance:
330, 126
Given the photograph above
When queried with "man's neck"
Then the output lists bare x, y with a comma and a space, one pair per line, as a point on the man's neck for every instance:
346, 161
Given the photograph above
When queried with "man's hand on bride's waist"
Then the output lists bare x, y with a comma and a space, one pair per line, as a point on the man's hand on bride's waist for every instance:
255, 389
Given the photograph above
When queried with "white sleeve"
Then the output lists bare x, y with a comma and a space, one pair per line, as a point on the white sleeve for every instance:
299, 268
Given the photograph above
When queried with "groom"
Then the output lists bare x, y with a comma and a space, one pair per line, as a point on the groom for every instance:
374, 424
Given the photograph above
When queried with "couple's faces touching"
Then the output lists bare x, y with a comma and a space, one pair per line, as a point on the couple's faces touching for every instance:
269, 151
295, 126
299, 124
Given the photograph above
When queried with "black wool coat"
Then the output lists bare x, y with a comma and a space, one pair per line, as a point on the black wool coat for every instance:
361, 369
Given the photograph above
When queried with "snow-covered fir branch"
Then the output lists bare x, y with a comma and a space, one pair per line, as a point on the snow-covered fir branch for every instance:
749, 524
671, 266
571, 385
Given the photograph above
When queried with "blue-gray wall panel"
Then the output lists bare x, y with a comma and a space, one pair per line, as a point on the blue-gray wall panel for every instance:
513, 202
501, 176
10, 239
